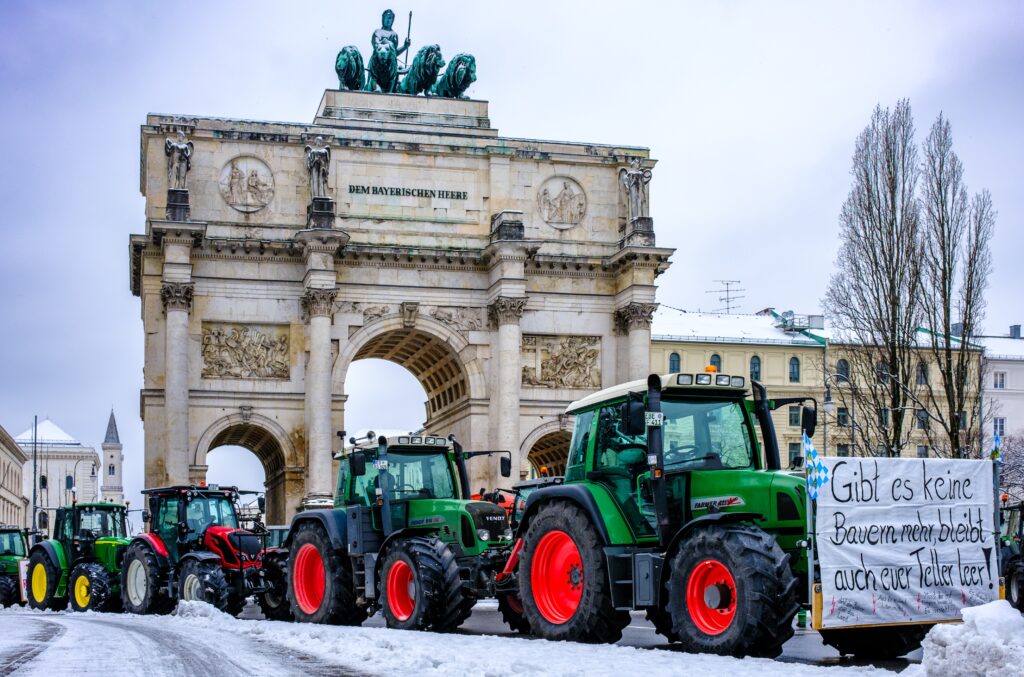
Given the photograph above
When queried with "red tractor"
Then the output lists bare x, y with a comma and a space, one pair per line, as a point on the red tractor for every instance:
193, 549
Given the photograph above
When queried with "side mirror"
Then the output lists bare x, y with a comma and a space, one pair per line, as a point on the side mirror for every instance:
261, 503
633, 415
357, 464
796, 463
146, 516
506, 466
809, 421
154, 505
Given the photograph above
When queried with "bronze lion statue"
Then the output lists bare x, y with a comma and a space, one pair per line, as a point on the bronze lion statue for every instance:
349, 67
457, 78
424, 71
383, 68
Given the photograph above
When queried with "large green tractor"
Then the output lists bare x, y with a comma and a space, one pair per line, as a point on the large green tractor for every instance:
13, 551
81, 564
402, 538
1011, 555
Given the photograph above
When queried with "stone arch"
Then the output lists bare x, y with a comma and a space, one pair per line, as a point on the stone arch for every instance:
265, 438
547, 445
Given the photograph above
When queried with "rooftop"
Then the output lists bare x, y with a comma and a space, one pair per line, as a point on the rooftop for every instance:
48, 433
671, 324
111, 437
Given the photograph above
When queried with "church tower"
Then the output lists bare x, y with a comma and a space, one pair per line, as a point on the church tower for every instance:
113, 460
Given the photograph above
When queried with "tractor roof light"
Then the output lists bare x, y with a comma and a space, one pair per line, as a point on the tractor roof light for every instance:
403, 440
684, 379
703, 379
737, 382
711, 369
722, 380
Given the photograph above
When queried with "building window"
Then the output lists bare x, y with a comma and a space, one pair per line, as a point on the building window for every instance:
42, 482
843, 370
843, 449
794, 370
794, 416
882, 372
963, 419
922, 419
842, 417
674, 363
922, 451
883, 418
110, 470
999, 380
755, 368
69, 482
794, 451
922, 374
999, 426
716, 362
44, 520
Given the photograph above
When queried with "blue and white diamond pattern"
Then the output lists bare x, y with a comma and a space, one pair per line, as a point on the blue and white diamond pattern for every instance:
817, 473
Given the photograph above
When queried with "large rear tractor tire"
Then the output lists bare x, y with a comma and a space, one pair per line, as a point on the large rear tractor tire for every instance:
205, 582
274, 602
1015, 585
144, 582
320, 585
420, 586
880, 643
9, 594
512, 612
563, 579
89, 588
43, 578
731, 592
661, 619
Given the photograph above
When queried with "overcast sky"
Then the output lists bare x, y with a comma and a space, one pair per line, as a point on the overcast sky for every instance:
751, 110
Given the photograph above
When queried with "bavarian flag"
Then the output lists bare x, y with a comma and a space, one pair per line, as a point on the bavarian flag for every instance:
817, 473
997, 452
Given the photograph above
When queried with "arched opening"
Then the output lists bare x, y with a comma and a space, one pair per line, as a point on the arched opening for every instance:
383, 397
232, 465
551, 452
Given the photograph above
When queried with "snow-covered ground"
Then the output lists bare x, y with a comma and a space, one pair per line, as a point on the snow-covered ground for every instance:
199, 640
989, 642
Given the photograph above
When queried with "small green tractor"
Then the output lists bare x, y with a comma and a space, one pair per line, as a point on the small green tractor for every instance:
402, 538
81, 564
1011, 556
13, 551
668, 507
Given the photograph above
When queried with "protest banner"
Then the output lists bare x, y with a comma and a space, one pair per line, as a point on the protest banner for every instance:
905, 540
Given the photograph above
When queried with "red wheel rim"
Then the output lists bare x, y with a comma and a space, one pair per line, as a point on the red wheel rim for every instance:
556, 577
401, 590
308, 578
711, 597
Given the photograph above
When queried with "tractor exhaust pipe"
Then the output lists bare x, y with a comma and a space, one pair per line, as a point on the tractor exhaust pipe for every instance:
656, 457
460, 465
764, 418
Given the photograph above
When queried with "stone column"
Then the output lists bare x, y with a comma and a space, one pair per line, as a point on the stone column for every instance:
177, 300
505, 313
634, 321
318, 305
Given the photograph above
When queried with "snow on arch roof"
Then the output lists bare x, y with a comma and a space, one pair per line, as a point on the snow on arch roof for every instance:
47, 433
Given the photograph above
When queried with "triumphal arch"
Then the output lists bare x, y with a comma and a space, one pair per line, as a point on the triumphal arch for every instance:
510, 276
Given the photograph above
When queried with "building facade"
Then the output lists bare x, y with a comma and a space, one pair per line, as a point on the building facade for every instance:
13, 502
1004, 385
66, 470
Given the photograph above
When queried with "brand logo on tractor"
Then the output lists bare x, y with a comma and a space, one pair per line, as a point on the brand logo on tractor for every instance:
494, 518
716, 502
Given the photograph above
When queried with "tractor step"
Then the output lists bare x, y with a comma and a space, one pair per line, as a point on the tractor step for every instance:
634, 577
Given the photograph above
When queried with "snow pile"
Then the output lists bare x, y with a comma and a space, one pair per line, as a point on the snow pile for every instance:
989, 642
198, 610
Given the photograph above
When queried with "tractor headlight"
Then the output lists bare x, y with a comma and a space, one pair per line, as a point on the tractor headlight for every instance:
483, 534
508, 534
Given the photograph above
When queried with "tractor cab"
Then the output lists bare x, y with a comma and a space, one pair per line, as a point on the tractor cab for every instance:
12, 541
81, 525
13, 551
185, 517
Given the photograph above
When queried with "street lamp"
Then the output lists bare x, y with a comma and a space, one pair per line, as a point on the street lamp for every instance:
830, 406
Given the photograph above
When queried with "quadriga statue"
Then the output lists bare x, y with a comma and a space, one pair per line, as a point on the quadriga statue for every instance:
349, 67
424, 71
383, 68
457, 78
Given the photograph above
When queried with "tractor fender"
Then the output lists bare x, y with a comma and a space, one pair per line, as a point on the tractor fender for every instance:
573, 493
703, 521
54, 552
156, 546
201, 556
333, 521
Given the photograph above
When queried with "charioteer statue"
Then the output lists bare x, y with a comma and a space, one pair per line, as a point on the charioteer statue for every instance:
385, 32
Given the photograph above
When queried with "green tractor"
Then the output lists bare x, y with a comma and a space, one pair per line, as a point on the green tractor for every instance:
81, 564
13, 550
1011, 555
402, 538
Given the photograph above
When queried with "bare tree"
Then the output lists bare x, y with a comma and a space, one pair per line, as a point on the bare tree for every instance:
1011, 476
957, 262
874, 297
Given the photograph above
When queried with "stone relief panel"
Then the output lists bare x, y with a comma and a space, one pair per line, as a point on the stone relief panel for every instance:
245, 351
247, 184
371, 313
562, 202
561, 361
459, 318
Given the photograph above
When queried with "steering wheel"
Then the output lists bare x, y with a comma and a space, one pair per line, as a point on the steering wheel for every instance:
681, 454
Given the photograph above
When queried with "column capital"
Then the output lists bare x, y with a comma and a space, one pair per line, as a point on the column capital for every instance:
318, 302
634, 316
177, 295
506, 310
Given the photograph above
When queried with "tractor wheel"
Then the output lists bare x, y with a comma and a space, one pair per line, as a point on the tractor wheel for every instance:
274, 602
563, 579
420, 586
204, 582
43, 578
1015, 586
731, 592
880, 643
144, 582
320, 585
511, 608
89, 588
9, 594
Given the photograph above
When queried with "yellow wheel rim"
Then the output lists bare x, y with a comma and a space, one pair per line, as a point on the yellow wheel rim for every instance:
82, 595
39, 583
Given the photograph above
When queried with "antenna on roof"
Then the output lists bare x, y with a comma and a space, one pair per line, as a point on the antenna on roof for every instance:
728, 295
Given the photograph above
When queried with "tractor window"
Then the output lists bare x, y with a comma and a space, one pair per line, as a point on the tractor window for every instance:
204, 511
620, 459
578, 446
420, 475
706, 434
165, 523
11, 543
64, 526
101, 522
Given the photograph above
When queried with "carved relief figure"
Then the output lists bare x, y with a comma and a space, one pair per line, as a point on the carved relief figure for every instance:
240, 351
349, 67
567, 207
463, 319
561, 362
179, 161
635, 180
372, 313
318, 164
247, 184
